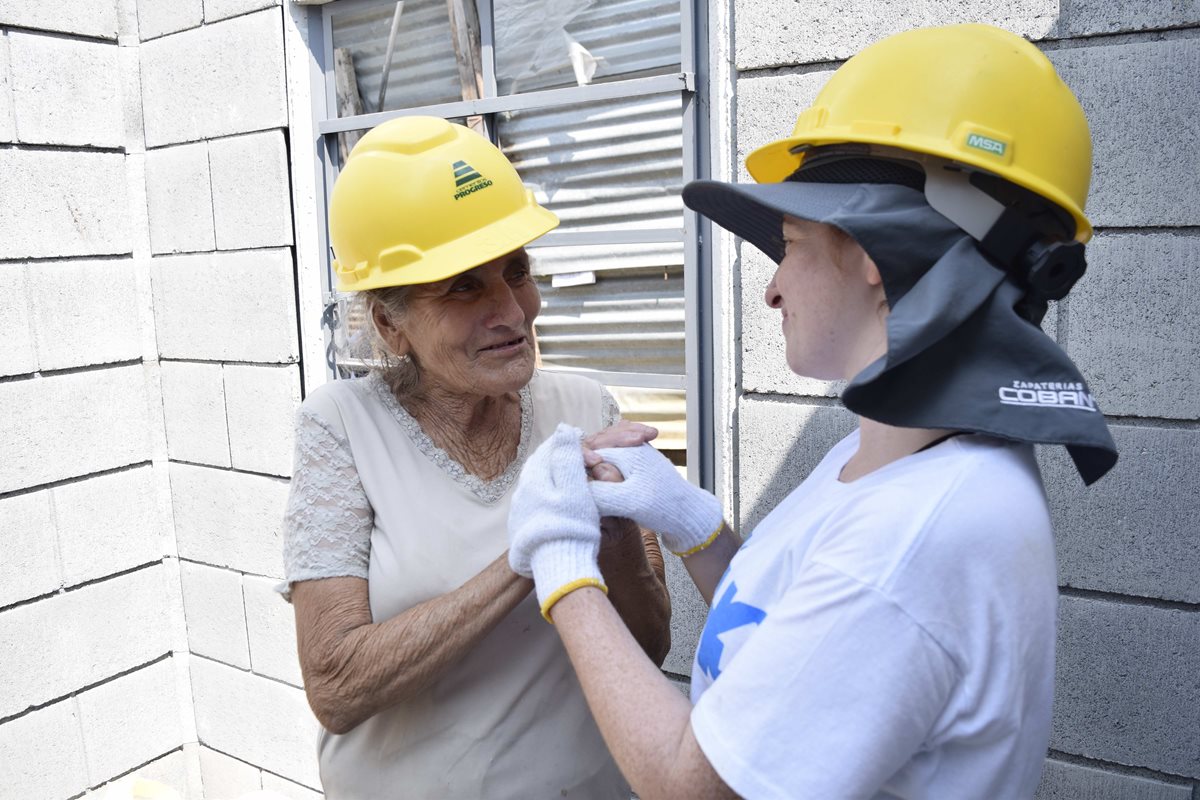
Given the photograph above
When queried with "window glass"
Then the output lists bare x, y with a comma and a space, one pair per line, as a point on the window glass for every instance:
542, 44
423, 69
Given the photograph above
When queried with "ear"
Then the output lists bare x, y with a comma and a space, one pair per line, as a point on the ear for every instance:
389, 332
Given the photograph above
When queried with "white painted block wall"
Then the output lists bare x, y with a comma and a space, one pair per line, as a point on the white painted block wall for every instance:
147, 389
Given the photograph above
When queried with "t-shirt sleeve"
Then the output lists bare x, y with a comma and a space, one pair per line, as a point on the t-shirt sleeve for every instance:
829, 697
328, 522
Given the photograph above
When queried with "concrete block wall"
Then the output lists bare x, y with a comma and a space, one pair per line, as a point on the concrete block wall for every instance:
222, 267
147, 387
1127, 710
92, 638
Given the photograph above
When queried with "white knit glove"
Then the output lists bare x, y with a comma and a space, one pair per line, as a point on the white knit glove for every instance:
553, 524
655, 496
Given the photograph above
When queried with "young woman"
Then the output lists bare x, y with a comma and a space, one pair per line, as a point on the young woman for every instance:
888, 631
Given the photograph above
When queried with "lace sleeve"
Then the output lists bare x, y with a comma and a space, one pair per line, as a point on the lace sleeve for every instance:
610, 412
328, 522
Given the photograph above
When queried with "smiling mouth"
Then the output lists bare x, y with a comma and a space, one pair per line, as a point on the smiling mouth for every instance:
504, 345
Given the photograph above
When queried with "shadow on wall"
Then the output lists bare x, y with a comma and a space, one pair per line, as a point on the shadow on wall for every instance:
780, 442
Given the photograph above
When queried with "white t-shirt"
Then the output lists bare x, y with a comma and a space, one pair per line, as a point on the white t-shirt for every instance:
892, 637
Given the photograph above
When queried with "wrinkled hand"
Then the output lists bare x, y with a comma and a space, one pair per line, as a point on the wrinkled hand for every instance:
623, 434
553, 523
656, 496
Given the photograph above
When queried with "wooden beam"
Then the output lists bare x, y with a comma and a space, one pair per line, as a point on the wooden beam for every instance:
464, 31
349, 102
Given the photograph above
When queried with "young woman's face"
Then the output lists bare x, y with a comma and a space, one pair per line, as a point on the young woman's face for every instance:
832, 301
472, 334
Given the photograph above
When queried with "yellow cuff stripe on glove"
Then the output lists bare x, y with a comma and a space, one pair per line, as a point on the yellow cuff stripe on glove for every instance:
566, 589
704, 544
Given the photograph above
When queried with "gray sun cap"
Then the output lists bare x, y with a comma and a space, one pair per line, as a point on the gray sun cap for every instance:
959, 354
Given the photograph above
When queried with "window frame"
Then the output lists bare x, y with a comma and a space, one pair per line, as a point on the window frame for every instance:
690, 82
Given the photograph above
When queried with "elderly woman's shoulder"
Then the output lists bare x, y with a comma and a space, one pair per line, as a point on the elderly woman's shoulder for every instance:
567, 384
331, 400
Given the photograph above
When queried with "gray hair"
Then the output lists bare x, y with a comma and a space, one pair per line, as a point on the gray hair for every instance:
400, 373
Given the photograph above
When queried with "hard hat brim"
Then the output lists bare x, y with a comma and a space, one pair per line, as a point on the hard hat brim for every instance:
755, 212
464, 253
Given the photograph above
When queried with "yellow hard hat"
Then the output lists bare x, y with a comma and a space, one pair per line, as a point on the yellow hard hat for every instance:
421, 199
973, 94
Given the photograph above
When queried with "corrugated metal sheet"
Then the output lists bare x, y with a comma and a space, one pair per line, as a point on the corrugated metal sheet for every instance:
628, 37
593, 258
423, 70
607, 165
625, 322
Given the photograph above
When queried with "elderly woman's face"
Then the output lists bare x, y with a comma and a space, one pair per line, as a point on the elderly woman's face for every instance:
473, 333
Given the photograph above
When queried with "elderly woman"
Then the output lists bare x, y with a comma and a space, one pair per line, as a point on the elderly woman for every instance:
888, 631
424, 656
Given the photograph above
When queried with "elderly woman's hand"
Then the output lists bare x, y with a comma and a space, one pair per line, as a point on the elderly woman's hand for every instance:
623, 434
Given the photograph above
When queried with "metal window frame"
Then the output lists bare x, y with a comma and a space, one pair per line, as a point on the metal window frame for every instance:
692, 84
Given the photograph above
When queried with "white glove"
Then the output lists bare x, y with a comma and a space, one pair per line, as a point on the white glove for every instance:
655, 496
553, 524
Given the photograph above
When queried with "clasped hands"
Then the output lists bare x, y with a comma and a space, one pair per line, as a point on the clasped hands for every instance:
554, 521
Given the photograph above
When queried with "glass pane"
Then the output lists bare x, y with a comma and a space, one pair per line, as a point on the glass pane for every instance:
627, 321
423, 69
541, 44
606, 165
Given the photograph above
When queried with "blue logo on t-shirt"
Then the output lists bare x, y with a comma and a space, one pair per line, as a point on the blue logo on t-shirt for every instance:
726, 615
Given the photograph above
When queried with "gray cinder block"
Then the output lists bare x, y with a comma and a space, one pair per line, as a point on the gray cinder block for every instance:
265, 722
179, 199
229, 519
260, 404
222, 9
1131, 326
98, 19
193, 397
147, 696
84, 312
161, 17
771, 33
1063, 781
1140, 98
217, 80
1127, 686
79, 638
8, 123
215, 613
1087, 18
70, 425
252, 204
66, 92
779, 443
60, 203
226, 306
1135, 531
